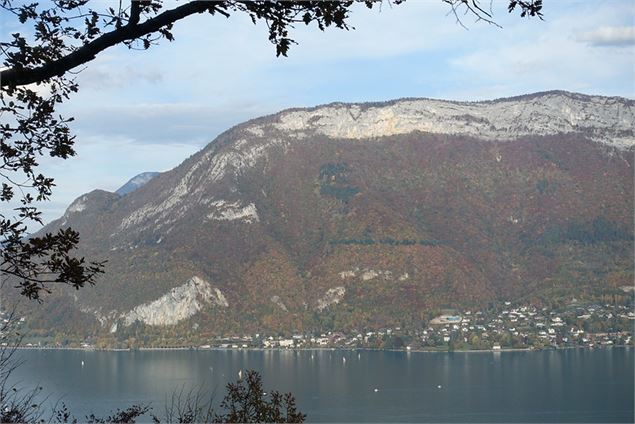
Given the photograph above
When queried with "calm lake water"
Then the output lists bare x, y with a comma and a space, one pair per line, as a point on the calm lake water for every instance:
550, 386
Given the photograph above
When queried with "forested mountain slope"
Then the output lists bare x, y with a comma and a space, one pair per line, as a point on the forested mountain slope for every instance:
363, 215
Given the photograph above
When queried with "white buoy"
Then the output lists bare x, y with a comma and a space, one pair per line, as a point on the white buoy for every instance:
376, 390
439, 386
343, 360
359, 355
240, 374
82, 363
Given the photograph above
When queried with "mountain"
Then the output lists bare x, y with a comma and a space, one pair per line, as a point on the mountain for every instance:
348, 216
136, 182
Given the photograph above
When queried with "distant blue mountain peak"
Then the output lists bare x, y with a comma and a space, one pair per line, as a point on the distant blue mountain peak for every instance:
136, 182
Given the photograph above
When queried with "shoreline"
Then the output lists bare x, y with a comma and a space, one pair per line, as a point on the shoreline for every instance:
342, 349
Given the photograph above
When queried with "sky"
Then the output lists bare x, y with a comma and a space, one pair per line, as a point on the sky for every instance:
140, 111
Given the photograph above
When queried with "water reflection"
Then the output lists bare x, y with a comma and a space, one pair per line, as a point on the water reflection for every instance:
571, 385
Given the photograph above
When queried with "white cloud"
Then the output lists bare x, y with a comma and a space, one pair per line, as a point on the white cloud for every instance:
100, 77
548, 57
608, 36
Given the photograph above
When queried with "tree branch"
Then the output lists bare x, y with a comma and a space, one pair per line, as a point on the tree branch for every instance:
16, 77
135, 12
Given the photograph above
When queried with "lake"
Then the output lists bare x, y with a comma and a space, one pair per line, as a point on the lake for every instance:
573, 385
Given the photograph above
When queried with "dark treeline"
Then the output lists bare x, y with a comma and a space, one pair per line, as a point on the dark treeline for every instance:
341, 193
334, 181
388, 241
597, 230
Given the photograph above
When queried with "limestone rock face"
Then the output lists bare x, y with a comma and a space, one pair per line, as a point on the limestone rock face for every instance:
331, 297
608, 120
179, 304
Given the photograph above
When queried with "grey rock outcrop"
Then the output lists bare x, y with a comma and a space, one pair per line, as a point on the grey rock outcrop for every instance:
180, 303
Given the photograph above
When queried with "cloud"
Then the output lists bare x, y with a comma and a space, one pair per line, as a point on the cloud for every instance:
101, 77
608, 37
548, 56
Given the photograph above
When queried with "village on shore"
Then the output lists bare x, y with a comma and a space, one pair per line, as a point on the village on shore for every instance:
507, 327
523, 327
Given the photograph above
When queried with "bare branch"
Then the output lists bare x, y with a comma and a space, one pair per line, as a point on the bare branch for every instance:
469, 8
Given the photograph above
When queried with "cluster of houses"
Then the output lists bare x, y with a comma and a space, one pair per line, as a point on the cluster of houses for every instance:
530, 327
519, 327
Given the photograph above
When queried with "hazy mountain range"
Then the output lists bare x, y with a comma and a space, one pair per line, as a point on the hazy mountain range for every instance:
136, 182
363, 215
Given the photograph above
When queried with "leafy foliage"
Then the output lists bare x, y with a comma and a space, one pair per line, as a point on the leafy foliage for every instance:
528, 8
40, 260
246, 402
121, 416
31, 130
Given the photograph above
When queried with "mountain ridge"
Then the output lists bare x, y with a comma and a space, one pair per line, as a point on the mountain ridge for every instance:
578, 96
